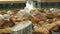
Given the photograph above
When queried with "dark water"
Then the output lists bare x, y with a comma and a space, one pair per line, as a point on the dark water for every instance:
50, 5
11, 7
22, 5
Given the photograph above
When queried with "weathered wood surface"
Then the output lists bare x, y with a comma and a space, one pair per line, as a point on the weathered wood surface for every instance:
11, 1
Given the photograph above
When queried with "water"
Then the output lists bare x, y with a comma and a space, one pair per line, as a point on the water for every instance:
11, 7
22, 5
50, 5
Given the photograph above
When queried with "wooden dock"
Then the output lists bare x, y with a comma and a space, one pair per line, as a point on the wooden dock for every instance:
12, 1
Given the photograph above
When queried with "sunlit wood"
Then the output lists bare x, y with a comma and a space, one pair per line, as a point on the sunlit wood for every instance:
11, 1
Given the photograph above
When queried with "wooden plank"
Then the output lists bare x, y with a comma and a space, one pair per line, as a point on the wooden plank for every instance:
12, 1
